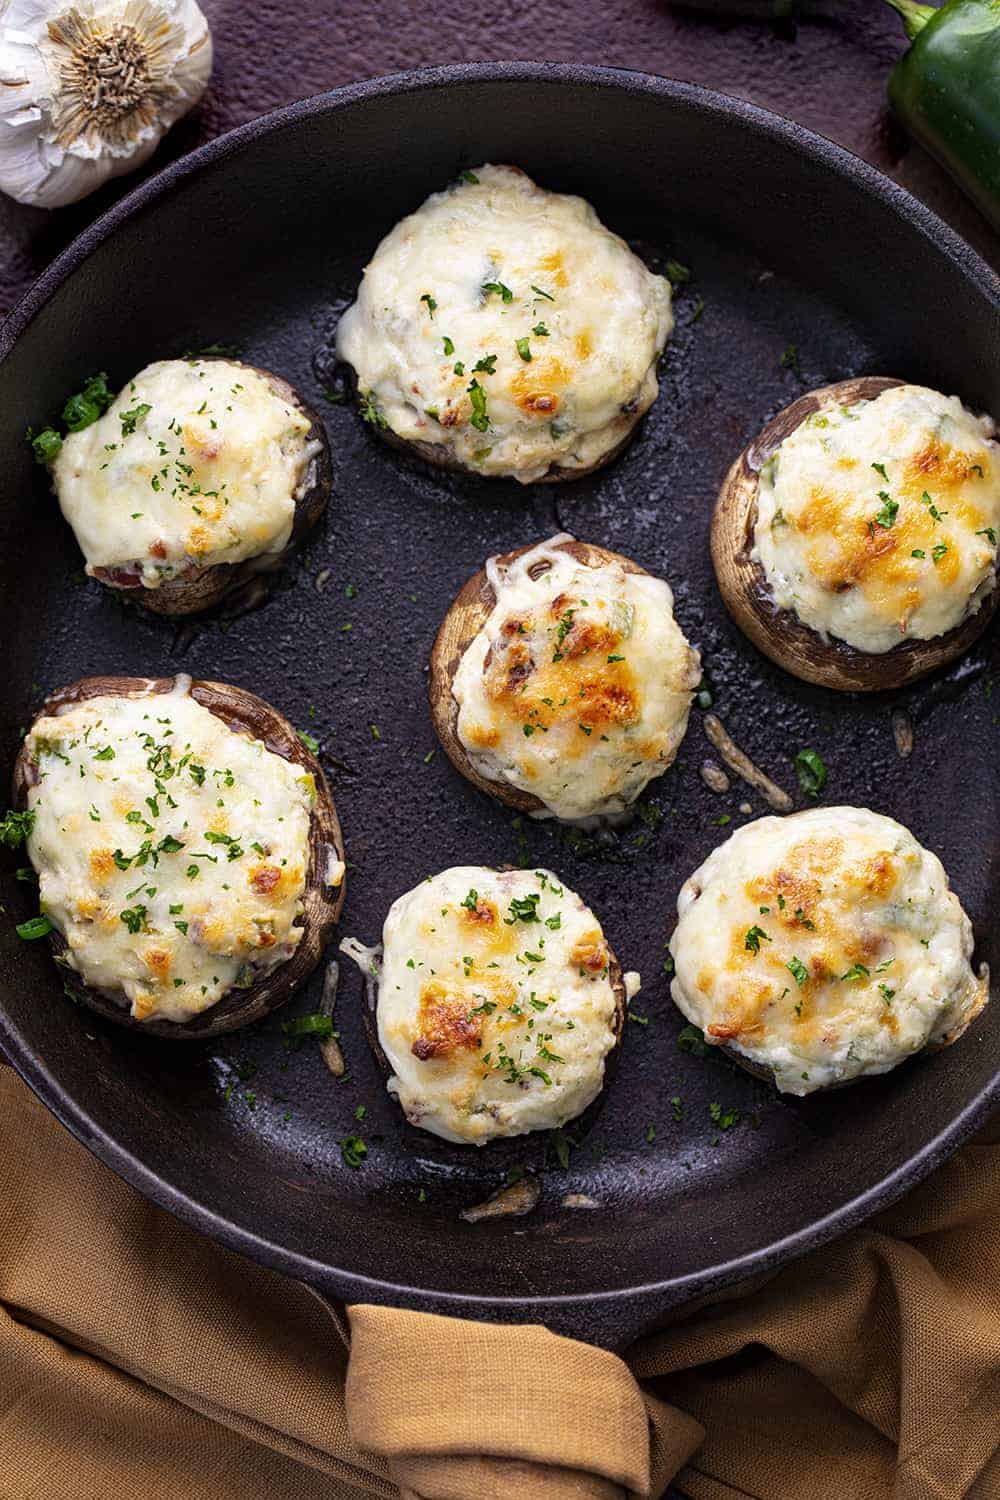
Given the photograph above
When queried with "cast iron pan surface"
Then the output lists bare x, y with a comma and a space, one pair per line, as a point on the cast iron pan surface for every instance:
258, 240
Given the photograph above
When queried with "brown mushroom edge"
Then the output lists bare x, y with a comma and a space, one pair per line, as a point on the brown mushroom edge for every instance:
467, 615
200, 589
370, 1017
440, 456
779, 633
243, 712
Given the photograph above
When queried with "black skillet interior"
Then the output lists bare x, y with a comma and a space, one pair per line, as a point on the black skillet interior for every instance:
792, 247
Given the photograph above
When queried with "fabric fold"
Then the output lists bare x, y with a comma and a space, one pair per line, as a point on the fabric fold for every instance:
568, 1419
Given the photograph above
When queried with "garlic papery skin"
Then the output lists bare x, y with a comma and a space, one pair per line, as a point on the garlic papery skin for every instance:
87, 90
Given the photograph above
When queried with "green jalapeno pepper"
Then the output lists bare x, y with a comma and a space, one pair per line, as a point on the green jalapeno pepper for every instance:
946, 91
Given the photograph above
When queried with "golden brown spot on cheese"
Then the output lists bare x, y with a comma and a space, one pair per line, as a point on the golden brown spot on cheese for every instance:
102, 863
158, 548
583, 344
480, 735
199, 541
574, 683
264, 878
445, 1022
948, 468
157, 960
590, 952
143, 1006
483, 914
553, 265
536, 386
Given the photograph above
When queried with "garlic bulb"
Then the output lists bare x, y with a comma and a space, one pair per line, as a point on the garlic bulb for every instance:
88, 89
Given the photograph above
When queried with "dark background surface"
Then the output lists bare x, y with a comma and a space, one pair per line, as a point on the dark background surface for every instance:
827, 71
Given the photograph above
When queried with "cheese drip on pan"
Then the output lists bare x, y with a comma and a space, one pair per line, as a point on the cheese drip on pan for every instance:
824, 946
508, 328
878, 522
197, 462
578, 686
495, 1004
171, 852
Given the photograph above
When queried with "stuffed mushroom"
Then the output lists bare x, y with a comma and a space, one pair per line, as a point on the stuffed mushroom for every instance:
824, 947
189, 857
198, 475
493, 1003
560, 681
503, 329
855, 540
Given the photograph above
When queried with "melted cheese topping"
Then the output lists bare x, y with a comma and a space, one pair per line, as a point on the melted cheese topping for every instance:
878, 523
578, 686
824, 946
505, 324
171, 852
197, 462
495, 1009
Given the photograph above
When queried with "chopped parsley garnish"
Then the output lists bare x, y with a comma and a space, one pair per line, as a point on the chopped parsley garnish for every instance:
539, 293
309, 740
880, 469
370, 410
615, 658
886, 993
524, 350
89, 404
676, 273
811, 771
471, 901
503, 292
855, 972
565, 626
890, 510
938, 552
487, 365
989, 534
753, 938
936, 515
131, 419
524, 909
798, 971
918, 552
468, 176
354, 1151
690, 1039
479, 419
790, 360
314, 1024
431, 304
449, 347
35, 927
15, 828
724, 1118
133, 918
46, 445
540, 331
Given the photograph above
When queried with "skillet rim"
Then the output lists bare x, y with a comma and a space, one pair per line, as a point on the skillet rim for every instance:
652, 1296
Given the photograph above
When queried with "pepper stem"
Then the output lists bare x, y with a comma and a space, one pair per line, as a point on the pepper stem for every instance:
915, 17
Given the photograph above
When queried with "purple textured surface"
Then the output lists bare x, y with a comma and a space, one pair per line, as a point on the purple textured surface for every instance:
827, 71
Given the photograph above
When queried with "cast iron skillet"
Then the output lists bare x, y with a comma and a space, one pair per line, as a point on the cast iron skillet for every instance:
258, 240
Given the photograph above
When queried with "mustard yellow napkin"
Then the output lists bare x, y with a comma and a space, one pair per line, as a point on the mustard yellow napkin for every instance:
137, 1359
